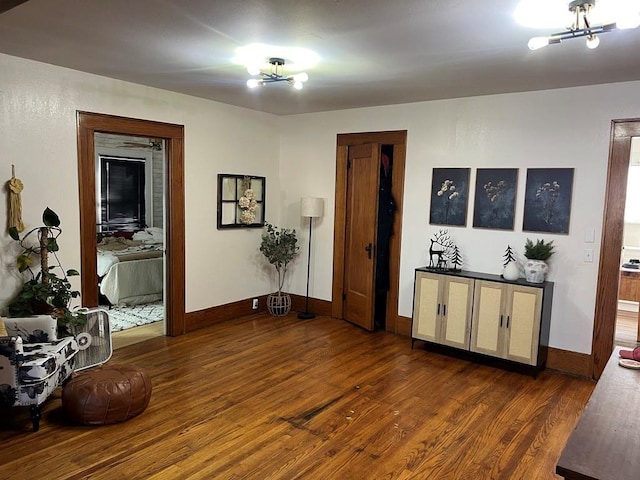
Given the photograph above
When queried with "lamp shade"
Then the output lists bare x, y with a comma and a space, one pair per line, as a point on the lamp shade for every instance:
311, 207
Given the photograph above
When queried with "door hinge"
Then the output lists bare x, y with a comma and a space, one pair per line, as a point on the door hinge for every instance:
344, 296
348, 164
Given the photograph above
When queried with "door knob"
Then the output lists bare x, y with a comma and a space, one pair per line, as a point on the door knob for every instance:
369, 249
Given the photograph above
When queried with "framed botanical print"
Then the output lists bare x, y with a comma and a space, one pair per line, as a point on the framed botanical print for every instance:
547, 201
241, 201
449, 196
495, 198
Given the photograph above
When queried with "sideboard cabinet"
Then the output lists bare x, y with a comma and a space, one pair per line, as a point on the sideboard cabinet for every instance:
483, 317
443, 306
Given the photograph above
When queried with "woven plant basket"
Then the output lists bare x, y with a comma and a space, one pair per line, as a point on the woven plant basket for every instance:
278, 304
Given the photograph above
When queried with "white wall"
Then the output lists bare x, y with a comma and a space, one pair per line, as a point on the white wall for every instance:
557, 128
38, 105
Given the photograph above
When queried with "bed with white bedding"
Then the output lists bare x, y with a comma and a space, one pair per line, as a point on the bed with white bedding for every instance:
131, 271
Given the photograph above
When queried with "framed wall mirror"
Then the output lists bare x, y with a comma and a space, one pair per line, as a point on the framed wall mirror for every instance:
241, 201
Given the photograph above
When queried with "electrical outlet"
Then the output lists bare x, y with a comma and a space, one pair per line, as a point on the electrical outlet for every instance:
255, 304
588, 255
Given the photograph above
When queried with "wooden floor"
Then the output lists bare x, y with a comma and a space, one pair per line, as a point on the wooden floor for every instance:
282, 398
129, 336
627, 329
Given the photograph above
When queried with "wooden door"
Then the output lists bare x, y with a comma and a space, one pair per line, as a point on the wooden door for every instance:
456, 311
361, 226
523, 324
426, 307
488, 319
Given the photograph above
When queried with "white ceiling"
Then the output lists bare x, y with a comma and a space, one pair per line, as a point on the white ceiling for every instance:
372, 52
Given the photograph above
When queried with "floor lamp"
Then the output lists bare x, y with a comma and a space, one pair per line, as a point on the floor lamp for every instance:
310, 207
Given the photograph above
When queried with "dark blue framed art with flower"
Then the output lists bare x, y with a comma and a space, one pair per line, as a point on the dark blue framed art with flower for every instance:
449, 196
547, 201
495, 198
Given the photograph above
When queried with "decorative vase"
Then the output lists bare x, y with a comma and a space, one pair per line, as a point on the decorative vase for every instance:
278, 304
511, 271
535, 271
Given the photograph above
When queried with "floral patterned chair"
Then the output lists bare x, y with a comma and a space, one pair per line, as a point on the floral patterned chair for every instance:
30, 372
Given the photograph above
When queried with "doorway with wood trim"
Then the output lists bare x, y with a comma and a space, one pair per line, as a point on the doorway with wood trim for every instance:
627, 333
366, 164
173, 136
622, 133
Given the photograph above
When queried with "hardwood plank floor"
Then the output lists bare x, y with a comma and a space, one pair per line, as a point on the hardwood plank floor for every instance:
282, 398
127, 337
627, 329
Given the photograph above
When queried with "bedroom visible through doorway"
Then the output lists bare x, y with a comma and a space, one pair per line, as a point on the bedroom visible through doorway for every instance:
130, 201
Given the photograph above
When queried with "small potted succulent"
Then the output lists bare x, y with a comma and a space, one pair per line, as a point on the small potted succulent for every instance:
279, 246
536, 268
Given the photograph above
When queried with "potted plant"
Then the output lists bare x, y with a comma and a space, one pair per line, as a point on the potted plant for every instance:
536, 268
48, 292
279, 246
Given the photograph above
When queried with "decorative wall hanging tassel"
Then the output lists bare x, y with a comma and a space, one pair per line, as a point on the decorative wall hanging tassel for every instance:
15, 187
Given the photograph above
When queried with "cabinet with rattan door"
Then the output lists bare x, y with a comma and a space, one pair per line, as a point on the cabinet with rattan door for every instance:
483, 317
506, 321
442, 310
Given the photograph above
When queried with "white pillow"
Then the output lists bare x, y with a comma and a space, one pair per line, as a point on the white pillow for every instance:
142, 236
156, 233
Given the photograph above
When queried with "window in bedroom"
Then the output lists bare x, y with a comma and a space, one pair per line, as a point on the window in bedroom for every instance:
122, 202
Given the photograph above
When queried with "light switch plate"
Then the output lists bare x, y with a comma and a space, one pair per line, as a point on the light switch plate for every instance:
590, 235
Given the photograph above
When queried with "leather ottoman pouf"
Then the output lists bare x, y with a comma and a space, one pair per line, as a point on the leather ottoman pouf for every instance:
109, 394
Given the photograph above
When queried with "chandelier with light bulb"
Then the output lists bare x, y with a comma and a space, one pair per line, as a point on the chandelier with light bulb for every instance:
276, 74
583, 27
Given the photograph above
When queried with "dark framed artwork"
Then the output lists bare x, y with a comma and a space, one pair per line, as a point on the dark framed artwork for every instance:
495, 198
449, 196
547, 201
241, 201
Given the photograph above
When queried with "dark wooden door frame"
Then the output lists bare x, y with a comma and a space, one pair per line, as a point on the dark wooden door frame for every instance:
88, 124
611, 243
399, 141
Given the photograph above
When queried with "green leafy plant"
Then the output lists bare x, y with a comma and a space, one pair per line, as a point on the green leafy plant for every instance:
279, 246
49, 291
539, 250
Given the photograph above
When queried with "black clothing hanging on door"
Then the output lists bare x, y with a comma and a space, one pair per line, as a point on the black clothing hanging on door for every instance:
386, 211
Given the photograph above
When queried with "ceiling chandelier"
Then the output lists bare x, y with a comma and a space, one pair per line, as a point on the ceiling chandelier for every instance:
583, 27
276, 74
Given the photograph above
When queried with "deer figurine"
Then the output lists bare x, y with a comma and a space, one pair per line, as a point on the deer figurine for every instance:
437, 255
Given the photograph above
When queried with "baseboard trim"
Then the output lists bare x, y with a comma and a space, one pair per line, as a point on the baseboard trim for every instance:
573, 363
402, 326
222, 313
317, 306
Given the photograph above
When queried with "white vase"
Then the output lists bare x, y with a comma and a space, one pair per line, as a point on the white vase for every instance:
535, 271
511, 271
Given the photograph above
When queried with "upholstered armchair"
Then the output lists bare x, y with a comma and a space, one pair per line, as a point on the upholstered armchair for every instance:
30, 372
33, 362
